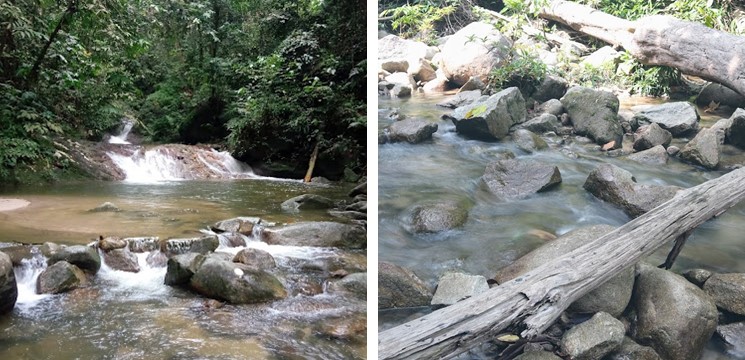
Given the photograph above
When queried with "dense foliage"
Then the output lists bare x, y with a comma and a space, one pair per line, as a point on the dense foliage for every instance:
268, 78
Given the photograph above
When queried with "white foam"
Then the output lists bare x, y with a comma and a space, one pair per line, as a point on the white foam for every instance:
121, 138
26, 275
143, 285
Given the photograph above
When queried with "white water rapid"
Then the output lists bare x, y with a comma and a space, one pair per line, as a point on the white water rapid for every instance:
26, 275
121, 138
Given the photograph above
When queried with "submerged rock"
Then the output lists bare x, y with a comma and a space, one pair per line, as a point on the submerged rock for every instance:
399, 287
84, 257
492, 118
256, 258
439, 216
121, 259
473, 51
728, 291
453, 287
8, 286
352, 284
734, 336
320, 233
305, 202
594, 114
235, 283
412, 131
679, 118
519, 178
60, 277
594, 338
704, 149
105, 207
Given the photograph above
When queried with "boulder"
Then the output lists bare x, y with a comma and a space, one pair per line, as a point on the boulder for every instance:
399, 287
412, 131
673, 316
733, 336
360, 189
243, 225
321, 233
60, 277
143, 244
392, 48
697, 276
462, 98
84, 257
704, 149
202, 245
492, 118
719, 94
105, 207
111, 243
518, 178
473, 83
350, 329
422, 71
438, 84
8, 286
552, 106
454, 286
474, 51
653, 156
617, 186
594, 338
180, 268
17, 253
121, 259
542, 124
679, 118
735, 134
306, 202
256, 258
528, 141
354, 285
630, 350
49, 248
537, 355
552, 87
728, 291
594, 114
604, 58
438, 216
235, 283
395, 65
649, 136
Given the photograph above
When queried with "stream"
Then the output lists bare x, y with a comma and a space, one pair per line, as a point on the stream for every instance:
497, 233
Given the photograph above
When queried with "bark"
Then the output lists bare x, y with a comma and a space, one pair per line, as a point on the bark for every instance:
530, 303
311, 164
692, 48
71, 9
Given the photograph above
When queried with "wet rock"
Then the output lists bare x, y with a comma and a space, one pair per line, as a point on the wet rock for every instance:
649, 136
473, 51
8, 286
704, 149
412, 131
630, 350
105, 207
673, 316
235, 283
399, 287
360, 189
320, 233
143, 244
462, 98
344, 328
437, 85
728, 291
439, 216
719, 94
111, 243
553, 107
121, 259
617, 186
60, 277
733, 336
359, 206
256, 258
542, 124
594, 113
84, 257
518, 178
453, 287
492, 118
735, 133
653, 156
552, 87
679, 118
181, 268
352, 284
306, 202
17, 253
528, 141
673, 150
593, 338
537, 355
697, 276
243, 225
322, 180
49, 248
202, 245
403, 84
350, 215
156, 259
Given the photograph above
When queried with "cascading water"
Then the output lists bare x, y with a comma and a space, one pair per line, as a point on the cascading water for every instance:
121, 138
146, 284
26, 275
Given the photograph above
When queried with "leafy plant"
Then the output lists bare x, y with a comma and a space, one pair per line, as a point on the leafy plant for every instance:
522, 69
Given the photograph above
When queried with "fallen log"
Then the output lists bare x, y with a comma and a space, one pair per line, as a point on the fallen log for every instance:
530, 303
690, 47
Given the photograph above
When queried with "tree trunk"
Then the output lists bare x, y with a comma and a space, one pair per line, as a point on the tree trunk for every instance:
692, 48
531, 303
311, 164
34, 74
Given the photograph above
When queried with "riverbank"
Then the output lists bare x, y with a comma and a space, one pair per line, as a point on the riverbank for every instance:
12, 204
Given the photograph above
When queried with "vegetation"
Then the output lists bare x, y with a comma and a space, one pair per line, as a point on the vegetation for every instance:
256, 75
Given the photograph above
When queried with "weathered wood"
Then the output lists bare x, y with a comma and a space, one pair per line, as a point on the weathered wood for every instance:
690, 47
530, 303
311, 164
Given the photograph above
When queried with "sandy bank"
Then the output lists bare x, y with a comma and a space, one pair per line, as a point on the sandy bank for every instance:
12, 204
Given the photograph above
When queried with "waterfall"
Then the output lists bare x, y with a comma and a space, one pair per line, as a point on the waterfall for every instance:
147, 284
121, 138
26, 275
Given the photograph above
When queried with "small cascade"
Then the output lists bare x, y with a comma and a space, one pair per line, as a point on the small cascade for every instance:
121, 138
147, 284
26, 275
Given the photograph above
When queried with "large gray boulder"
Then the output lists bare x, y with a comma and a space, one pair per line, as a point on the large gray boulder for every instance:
412, 131
454, 286
528, 141
728, 291
306, 202
594, 114
399, 287
593, 338
235, 283
122, 260
392, 49
320, 233
474, 51
552, 87
653, 156
243, 225
8, 286
256, 258
203, 245
673, 316
492, 118
679, 118
354, 285
438, 216
462, 98
542, 124
733, 336
518, 178
60, 277
617, 186
704, 149
611, 297
736, 132
649, 136
84, 257
180, 268
719, 94
111, 243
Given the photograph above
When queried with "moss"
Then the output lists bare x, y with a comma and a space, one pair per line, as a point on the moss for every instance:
476, 112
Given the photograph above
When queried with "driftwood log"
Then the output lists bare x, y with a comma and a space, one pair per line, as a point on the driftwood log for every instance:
692, 48
530, 303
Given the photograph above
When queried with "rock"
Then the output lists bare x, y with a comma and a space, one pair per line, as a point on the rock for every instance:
399, 287
354, 285
593, 338
321, 233
111, 243
422, 71
654, 156
438, 216
462, 98
49, 248
156, 259
256, 258
143, 244
393, 48
243, 225
649, 136
604, 58
473, 51
8, 286
528, 141
518, 178
453, 287
438, 84
673, 150
735, 134
679, 118
322, 180
17, 253
360, 189
552, 87
594, 113
84, 257
60, 277
734, 336
105, 207
346, 328
542, 124
704, 149
235, 283
719, 94
412, 131
617, 186
552, 106
630, 350
395, 65
492, 118
728, 291
181, 268
121, 259
673, 316
306, 202
697, 276
473, 83
403, 85
537, 355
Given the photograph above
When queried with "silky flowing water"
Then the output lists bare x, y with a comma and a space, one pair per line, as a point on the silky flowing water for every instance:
497, 233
